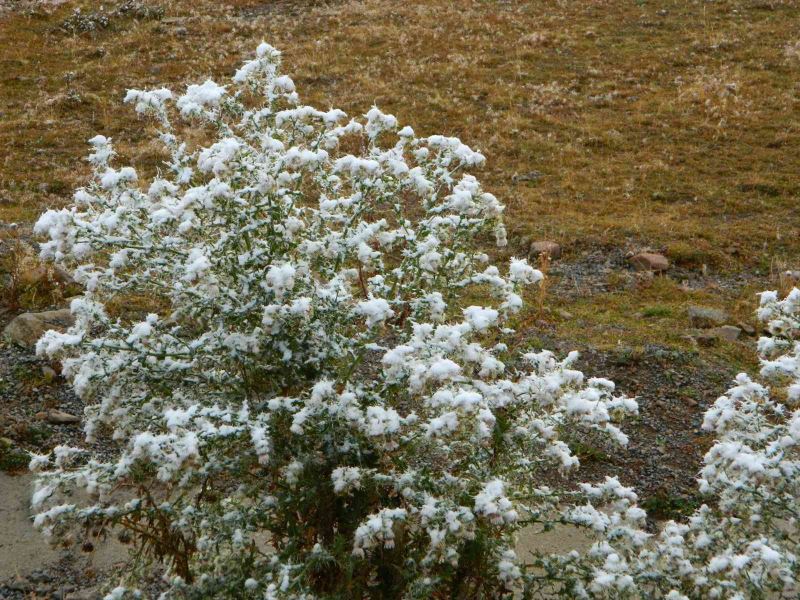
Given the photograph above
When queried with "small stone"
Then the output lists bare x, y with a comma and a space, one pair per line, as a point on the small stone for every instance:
40, 577
707, 339
565, 314
648, 261
530, 176
747, 328
26, 329
33, 276
57, 417
729, 333
551, 249
86, 594
792, 275
703, 317
61, 275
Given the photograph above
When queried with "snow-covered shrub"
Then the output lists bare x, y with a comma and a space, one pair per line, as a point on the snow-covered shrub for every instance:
744, 543
293, 349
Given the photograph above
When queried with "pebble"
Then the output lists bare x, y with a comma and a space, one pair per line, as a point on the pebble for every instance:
26, 329
57, 417
540, 247
529, 176
32, 277
729, 333
649, 261
747, 328
703, 317
87, 594
707, 339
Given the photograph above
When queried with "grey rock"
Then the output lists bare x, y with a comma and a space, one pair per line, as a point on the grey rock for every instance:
25, 329
729, 333
793, 275
703, 317
530, 176
40, 576
87, 594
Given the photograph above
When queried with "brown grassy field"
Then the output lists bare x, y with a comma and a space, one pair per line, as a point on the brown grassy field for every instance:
669, 125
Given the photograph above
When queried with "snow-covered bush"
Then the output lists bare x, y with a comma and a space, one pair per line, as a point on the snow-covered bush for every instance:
292, 350
744, 543
295, 359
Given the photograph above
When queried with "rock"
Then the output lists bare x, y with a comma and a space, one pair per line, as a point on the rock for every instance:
33, 277
706, 339
61, 275
703, 317
551, 249
40, 576
648, 261
57, 417
565, 314
19, 586
747, 328
25, 329
530, 176
729, 333
87, 594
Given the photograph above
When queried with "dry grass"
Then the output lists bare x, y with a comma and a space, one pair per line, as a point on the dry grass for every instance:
671, 125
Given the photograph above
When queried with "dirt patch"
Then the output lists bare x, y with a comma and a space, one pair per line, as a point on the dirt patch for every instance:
30, 566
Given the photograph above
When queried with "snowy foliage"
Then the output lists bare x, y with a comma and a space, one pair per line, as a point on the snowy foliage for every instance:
744, 542
274, 336
297, 360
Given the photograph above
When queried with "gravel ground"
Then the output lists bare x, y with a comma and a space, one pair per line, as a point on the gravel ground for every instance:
25, 390
606, 269
29, 567
674, 389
